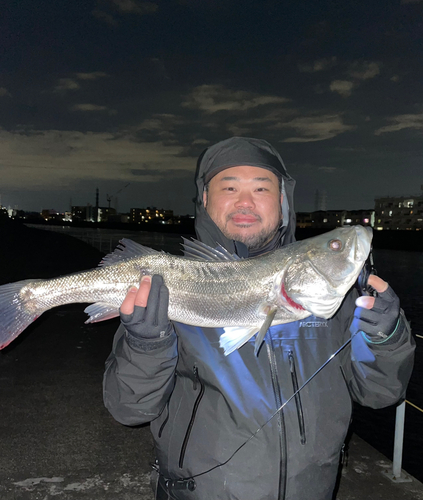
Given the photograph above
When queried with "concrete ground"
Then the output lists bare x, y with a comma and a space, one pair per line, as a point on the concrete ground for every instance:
57, 439
363, 478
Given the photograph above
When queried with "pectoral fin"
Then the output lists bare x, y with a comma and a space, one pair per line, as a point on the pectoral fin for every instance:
263, 330
235, 337
100, 312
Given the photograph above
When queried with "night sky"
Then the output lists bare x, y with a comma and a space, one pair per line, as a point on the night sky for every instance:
124, 95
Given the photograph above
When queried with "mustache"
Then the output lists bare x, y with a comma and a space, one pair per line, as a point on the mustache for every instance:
243, 212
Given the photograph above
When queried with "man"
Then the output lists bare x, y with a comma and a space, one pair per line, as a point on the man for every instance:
204, 407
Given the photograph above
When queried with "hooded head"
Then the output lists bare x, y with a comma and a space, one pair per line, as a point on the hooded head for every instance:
234, 152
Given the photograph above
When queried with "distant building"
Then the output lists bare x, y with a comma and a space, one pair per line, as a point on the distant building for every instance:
88, 213
3, 213
329, 219
82, 213
362, 217
119, 218
49, 214
152, 215
304, 219
399, 213
102, 214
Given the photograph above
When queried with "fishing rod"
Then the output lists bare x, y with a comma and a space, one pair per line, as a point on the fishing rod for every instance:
189, 483
280, 407
364, 289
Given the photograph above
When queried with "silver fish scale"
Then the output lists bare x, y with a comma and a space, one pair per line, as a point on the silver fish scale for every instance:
307, 277
219, 294
201, 293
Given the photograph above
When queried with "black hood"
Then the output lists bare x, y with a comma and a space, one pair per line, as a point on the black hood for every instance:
234, 152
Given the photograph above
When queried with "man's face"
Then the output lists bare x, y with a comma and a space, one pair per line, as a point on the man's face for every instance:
245, 204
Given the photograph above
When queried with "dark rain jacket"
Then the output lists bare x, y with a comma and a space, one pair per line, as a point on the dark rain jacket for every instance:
205, 408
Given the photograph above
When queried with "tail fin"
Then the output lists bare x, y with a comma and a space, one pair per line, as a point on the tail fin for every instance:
15, 315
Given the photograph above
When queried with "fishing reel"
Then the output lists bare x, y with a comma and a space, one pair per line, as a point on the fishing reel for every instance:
362, 281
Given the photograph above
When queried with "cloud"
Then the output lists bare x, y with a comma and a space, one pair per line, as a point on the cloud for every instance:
94, 75
4, 92
161, 125
244, 113
317, 65
213, 98
105, 17
54, 159
201, 142
72, 84
358, 71
401, 122
135, 6
364, 70
342, 87
316, 128
122, 7
66, 84
88, 107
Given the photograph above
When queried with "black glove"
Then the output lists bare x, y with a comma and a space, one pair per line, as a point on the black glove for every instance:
379, 322
150, 322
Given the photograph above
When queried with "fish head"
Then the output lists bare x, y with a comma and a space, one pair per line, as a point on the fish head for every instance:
324, 268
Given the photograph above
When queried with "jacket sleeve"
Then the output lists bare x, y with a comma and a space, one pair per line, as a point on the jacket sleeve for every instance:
139, 380
378, 374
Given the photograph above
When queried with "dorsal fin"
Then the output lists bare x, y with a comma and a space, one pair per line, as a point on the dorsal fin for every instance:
127, 249
196, 250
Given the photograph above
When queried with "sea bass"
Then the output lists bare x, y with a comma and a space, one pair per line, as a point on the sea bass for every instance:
207, 287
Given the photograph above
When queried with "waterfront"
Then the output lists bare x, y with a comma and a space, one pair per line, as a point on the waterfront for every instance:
54, 421
402, 269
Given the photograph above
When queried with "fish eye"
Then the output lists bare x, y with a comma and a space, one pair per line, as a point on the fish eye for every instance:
335, 245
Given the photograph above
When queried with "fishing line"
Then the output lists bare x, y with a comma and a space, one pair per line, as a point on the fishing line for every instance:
364, 289
413, 405
275, 412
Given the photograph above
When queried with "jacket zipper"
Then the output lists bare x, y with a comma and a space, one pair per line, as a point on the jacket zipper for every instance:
283, 466
164, 421
300, 413
194, 411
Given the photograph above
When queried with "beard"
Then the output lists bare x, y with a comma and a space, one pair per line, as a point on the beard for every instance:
256, 240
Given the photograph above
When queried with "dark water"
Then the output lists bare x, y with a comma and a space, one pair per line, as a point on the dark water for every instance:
404, 272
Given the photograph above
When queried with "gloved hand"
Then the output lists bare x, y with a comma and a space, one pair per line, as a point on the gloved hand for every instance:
144, 310
377, 317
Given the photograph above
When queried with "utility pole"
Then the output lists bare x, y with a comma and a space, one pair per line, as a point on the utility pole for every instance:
96, 205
